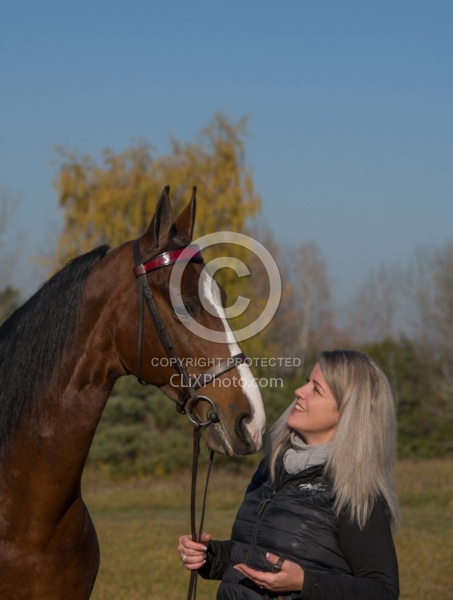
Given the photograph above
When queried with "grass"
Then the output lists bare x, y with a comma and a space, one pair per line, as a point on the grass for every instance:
425, 540
139, 522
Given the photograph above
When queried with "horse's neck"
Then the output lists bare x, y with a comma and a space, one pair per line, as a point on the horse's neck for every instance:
50, 453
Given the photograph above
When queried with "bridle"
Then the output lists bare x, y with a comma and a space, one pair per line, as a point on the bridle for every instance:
187, 396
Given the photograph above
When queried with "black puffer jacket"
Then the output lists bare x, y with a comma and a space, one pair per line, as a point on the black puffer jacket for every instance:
293, 517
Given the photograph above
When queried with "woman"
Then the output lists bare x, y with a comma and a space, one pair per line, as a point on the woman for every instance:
317, 519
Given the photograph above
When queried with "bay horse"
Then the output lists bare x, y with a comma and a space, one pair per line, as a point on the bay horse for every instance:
60, 355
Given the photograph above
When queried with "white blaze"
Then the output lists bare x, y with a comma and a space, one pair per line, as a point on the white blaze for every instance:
211, 299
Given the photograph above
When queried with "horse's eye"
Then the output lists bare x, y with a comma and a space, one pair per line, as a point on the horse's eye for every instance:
185, 310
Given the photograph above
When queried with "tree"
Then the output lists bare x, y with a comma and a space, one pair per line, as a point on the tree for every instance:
431, 283
305, 321
376, 308
421, 432
217, 161
312, 297
106, 202
112, 201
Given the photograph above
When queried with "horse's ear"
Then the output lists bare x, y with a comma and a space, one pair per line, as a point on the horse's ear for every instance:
159, 229
182, 229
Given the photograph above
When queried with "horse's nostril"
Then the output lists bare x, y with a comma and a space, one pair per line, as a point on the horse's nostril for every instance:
240, 425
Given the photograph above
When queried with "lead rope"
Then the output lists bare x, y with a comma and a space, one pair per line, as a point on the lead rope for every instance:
196, 537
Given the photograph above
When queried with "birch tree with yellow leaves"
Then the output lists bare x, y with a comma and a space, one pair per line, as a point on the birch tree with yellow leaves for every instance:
112, 199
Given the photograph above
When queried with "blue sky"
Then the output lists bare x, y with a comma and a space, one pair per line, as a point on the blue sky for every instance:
350, 106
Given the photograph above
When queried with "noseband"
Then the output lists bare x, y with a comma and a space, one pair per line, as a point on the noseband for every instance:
187, 396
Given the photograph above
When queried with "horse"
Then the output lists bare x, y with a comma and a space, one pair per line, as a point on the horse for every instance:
60, 355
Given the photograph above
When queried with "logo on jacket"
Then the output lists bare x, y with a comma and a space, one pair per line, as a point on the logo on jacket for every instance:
313, 488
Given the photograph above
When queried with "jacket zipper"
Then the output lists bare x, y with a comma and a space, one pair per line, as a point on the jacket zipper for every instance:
264, 504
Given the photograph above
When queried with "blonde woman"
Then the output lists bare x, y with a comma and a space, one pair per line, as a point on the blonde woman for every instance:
317, 518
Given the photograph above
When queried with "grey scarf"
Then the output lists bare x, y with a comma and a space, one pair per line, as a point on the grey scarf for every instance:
301, 455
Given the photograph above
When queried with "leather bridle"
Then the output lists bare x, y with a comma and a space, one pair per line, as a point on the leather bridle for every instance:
187, 396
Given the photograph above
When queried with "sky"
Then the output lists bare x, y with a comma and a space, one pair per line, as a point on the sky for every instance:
349, 103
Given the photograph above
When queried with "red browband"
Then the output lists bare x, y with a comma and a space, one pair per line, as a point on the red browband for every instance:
191, 252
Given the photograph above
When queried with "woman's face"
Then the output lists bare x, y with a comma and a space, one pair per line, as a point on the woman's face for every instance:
315, 413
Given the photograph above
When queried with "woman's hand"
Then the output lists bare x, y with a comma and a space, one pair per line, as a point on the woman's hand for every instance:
290, 578
193, 554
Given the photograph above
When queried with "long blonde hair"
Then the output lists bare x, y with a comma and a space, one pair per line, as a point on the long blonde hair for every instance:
363, 449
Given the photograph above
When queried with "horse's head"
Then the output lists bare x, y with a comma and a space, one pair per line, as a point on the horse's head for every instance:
171, 349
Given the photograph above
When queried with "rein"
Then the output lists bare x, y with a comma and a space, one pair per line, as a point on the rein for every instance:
196, 536
188, 397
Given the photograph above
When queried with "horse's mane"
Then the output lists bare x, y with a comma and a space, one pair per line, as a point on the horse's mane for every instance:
34, 338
